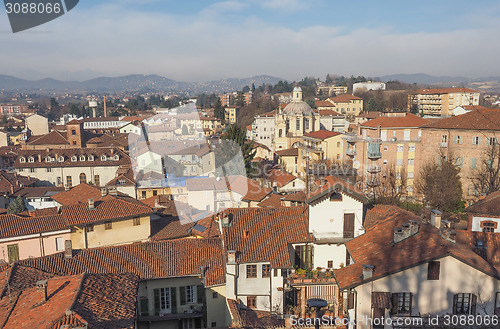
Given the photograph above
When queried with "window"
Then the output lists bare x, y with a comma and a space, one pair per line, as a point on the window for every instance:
97, 180
386, 148
492, 140
82, 157
32, 169
329, 264
83, 178
464, 303
444, 138
399, 162
459, 162
89, 228
214, 324
59, 244
410, 175
401, 303
411, 162
251, 301
488, 227
348, 226
69, 181
400, 148
458, 139
266, 270
433, 270
13, 252
103, 157
143, 194
74, 142
108, 225
411, 148
73, 158
473, 163
251, 271
91, 158
31, 159
137, 221
73, 132
190, 294
476, 140
215, 295
22, 159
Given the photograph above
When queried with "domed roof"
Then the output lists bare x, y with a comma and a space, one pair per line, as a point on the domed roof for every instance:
298, 108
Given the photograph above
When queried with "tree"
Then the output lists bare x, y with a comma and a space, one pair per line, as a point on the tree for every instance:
486, 178
392, 186
440, 185
219, 110
240, 100
16, 206
228, 151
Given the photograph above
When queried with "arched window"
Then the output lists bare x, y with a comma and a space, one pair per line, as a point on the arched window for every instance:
103, 157
31, 159
91, 157
280, 134
82, 157
74, 158
73, 132
22, 159
83, 178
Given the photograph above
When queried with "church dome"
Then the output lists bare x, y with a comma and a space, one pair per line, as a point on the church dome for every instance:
297, 106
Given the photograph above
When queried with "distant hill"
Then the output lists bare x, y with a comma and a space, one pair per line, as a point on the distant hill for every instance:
134, 82
422, 78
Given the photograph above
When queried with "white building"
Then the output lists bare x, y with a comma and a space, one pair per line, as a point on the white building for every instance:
484, 215
368, 86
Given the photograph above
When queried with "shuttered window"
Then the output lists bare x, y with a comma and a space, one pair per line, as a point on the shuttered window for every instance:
348, 225
401, 303
433, 270
464, 303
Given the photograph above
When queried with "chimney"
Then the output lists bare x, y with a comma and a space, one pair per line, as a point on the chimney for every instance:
104, 191
91, 204
398, 234
157, 202
448, 234
41, 288
105, 108
405, 231
436, 218
367, 271
66, 187
113, 191
68, 249
231, 257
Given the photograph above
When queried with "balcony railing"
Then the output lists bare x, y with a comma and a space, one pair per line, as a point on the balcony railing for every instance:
374, 169
351, 152
351, 138
374, 155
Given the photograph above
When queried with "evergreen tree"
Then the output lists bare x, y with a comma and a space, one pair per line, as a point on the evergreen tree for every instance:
219, 110
16, 206
229, 151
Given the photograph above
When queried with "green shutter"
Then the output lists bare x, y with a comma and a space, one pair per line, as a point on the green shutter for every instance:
144, 306
479, 141
183, 295
173, 299
200, 294
157, 301
394, 304
13, 252
473, 163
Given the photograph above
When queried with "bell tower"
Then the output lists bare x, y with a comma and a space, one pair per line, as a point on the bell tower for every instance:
74, 132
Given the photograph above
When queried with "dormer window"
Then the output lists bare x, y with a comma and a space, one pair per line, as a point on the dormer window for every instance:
74, 158
82, 157
48, 159
31, 159
116, 157
22, 159
60, 158
103, 157
91, 158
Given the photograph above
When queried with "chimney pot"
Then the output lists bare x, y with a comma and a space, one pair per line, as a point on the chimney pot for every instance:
367, 271
436, 218
231, 257
91, 204
41, 287
68, 249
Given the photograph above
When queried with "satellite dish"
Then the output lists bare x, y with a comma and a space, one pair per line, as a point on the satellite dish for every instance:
356, 164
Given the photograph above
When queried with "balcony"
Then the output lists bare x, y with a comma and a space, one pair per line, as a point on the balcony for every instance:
374, 155
350, 152
373, 183
350, 138
373, 169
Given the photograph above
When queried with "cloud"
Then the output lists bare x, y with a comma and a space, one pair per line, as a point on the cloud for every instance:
117, 40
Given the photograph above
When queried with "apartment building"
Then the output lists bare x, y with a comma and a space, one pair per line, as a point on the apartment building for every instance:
441, 102
347, 104
465, 137
386, 142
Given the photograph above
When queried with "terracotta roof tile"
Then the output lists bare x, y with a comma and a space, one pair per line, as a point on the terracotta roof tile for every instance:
488, 119
148, 260
322, 134
332, 183
409, 120
489, 205
274, 200
53, 138
288, 152
280, 177
81, 193
344, 98
13, 225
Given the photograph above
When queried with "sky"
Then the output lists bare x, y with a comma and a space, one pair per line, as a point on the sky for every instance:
207, 40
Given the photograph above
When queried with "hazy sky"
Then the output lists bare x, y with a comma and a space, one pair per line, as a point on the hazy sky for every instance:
206, 40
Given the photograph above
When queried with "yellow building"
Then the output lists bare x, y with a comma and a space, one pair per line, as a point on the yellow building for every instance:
441, 102
231, 114
329, 145
347, 104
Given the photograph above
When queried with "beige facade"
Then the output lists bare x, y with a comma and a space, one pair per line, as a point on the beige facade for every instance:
347, 104
231, 114
110, 233
38, 124
434, 297
441, 102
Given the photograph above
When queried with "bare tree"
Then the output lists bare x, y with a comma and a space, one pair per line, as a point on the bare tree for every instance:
440, 185
392, 186
486, 178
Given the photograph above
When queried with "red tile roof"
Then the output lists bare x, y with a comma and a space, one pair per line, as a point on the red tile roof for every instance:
324, 104
13, 225
256, 192
489, 205
280, 177
148, 260
31, 191
323, 187
106, 208
12, 182
408, 121
488, 119
290, 152
170, 228
322, 134
53, 138
378, 213
265, 234
344, 98
444, 91
274, 200
297, 196
81, 193
329, 113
